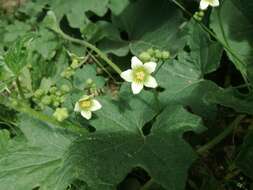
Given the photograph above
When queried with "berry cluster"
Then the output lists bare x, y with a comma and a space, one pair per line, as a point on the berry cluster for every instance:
199, 15
154, 55
54, 97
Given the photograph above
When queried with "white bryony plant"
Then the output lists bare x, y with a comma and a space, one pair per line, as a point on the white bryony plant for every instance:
140, 75
205, 3
86, 105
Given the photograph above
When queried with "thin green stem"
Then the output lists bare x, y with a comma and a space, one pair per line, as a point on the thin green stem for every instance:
102, 67
221, 136
22, 107
20, 91
92, 47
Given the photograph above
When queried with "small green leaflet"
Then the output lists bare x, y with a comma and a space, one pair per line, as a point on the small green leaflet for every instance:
16, 57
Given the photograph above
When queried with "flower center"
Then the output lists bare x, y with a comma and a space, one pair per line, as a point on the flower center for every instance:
140, 75
85, 104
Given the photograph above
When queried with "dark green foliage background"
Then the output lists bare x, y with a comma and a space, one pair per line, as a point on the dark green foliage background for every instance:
205, 84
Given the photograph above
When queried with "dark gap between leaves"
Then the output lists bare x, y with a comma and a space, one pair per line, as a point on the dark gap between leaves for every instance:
134, 180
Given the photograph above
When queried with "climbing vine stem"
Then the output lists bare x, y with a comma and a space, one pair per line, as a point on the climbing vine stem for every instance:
221, 136
93, 48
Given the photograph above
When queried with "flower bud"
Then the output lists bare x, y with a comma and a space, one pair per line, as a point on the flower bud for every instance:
145, 57
56, 103
151, 51
61, 114
165, 55
75, 64
52, 90
158, 54
89, 82
46, 100
65, 88
38, 93
201, 13
58, 93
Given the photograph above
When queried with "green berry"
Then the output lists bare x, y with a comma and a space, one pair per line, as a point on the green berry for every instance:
56, 103
89, 82
61, 114
69, 74
197, 17
58, 93
158, 54
165, 55
94, 85
69, 69
52, 90
65, 88
75, 64
201, 13
58, 98
29, 66
38, 93
46, 100
145, 57
151, 51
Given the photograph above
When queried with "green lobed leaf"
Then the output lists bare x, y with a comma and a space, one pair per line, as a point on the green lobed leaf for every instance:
183, 77
45, 44
119, 145
17, 55
118, 6
205, 52
149, 24
232, 23
75, 12
35, 160
232, 98
16, 30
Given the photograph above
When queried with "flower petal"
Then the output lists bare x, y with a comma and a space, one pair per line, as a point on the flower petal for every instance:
95, 105
86, 114
77, 107
150, 66
84, 97
215, 3
127, 75
135, 62
136, 87
203, 4
150, 82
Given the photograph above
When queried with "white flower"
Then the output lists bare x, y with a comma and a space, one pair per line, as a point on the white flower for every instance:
140, 75
205, 3
86, 105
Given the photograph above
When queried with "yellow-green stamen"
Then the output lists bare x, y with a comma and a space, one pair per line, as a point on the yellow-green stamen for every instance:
85, 104
139, 75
